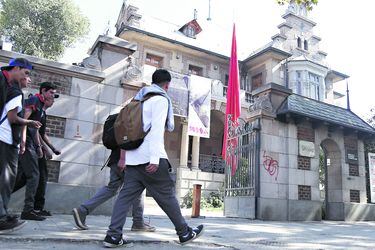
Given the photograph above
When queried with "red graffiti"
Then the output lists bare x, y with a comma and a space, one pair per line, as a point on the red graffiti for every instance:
271, 165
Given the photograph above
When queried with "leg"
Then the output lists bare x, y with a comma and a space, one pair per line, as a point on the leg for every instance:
42, 185
8, 166
20, 179
29, 164
131, 189
137, 211
162, 188
105, 193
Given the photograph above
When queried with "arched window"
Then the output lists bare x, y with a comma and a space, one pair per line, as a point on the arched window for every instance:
305, 45
299, 44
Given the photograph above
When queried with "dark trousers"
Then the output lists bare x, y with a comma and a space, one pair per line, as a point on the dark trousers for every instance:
29, 167
42, 185
105, 193
8, 172
161, 187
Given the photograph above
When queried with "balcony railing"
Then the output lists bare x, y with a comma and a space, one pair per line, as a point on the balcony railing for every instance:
211, 164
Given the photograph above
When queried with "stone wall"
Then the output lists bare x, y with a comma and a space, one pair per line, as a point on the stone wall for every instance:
186, 178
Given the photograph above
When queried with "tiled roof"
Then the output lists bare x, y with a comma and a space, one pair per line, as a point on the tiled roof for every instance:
213, 38
296, 104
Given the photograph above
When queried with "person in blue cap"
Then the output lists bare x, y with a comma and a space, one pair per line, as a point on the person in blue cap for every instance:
13, 78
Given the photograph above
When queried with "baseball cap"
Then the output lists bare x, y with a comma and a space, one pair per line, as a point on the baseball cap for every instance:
48, 86
18, 62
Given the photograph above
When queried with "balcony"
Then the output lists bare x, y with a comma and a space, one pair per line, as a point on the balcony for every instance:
211, 164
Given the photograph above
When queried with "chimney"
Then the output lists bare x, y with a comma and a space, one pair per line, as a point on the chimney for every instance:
5, 45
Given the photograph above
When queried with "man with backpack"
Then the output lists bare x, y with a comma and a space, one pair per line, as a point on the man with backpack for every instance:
31, 148
13, 78
147, 165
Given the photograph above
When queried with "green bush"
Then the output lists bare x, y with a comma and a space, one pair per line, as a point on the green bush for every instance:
187, 200
214, 200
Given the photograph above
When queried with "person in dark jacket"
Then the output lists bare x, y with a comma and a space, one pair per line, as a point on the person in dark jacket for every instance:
39, 199
31, 149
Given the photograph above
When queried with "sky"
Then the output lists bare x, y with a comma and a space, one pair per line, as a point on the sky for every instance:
346, 29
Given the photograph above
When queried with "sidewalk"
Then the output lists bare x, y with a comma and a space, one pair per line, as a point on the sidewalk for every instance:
58, 232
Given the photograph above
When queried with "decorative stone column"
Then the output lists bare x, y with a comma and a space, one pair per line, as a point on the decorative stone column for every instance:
195, 149
184, 146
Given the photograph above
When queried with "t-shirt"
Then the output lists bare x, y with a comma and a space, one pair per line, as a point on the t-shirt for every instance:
5, 128
36, 105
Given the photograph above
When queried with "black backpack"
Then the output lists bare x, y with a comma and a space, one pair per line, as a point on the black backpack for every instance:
108, 136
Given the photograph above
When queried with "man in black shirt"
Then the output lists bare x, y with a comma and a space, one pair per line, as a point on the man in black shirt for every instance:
31, 149
42, 163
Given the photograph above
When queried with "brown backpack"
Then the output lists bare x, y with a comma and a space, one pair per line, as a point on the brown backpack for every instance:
128, 126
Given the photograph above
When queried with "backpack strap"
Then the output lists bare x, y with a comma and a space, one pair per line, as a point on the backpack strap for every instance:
2, 120
148, 96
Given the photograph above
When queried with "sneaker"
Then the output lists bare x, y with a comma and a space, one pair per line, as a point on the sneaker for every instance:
80, 219
192, 234
143, 228
12, 216
112, 242
10, 225
43, 212
32, 215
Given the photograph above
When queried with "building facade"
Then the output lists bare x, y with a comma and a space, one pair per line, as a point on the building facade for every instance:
287, 98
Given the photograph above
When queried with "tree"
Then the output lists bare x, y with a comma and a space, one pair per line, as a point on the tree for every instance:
309, 3
42, 28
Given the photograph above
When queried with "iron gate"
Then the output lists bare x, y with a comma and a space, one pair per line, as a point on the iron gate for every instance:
243, 147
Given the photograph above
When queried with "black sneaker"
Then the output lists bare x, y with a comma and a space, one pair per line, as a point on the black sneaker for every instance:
80, 219
192, 234
112, 242
32, 215
12, 216
10, 225
43, 212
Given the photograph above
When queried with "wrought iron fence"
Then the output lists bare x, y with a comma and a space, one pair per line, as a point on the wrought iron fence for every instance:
211, 164
243, 156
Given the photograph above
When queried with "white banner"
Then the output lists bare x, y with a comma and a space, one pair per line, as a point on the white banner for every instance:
199, 106
371, 166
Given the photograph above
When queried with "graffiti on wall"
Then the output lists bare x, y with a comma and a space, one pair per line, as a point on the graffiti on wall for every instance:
270, 165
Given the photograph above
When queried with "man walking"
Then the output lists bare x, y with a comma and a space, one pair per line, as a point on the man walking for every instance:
13, 78
105, 193
31, 149
148, 166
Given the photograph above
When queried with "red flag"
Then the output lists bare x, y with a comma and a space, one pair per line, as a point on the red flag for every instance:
233, 109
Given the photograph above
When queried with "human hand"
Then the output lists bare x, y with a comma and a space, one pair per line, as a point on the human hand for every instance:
56, 151
22, 148
34, 124
152, 168
47, 153
39, 151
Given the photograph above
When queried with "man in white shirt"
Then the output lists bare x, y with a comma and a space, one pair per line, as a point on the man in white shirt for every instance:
13, 77
148, 167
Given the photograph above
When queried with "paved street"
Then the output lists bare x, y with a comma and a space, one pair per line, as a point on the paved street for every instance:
58, 232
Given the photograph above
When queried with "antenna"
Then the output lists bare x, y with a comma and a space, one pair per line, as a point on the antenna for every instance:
209, 11
107, 29
347, 96
195, 14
